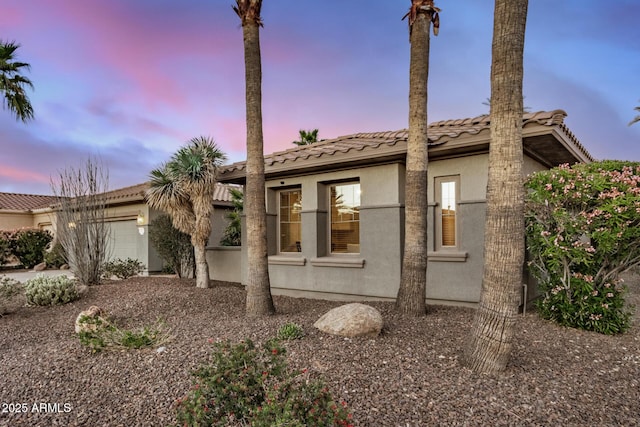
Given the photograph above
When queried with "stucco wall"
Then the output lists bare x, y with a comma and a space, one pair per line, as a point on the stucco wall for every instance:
454, 276
224, 263
15, 220
374, 272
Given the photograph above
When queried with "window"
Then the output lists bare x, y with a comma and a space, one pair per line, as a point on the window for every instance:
290, 220
345, 218
447, 198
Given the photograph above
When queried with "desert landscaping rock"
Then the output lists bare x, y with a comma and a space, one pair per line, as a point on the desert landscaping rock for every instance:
409, 375
351, 320
88, 319
40, 267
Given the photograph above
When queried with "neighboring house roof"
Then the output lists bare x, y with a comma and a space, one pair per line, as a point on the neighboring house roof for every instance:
24, 202
546, 138
134, 193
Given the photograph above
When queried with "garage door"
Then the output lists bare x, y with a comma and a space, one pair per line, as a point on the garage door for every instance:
123, 240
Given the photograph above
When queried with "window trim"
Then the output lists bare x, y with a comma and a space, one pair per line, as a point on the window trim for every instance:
438, 181
279, 222
330, 252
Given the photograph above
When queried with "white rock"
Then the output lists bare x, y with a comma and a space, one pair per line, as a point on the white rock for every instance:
351, 320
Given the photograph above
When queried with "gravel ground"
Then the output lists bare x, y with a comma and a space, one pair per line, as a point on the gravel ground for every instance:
408, 376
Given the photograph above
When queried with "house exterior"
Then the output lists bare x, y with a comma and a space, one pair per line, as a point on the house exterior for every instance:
127, 214
336, 208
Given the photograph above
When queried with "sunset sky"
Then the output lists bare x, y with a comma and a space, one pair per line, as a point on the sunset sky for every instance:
131, 81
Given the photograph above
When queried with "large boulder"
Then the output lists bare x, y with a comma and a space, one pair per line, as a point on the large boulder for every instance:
351, 320
40, 267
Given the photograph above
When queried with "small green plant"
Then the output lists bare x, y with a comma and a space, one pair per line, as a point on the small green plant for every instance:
10, 290
56, 257
290, 331
249, 385
122, 269
99, 333
50, 290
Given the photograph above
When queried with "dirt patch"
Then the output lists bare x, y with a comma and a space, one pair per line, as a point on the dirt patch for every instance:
408, 376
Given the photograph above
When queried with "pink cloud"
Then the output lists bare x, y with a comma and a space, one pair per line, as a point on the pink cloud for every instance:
22, 175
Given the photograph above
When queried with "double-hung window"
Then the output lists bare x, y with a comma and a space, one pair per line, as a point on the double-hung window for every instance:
345, 217
290, 223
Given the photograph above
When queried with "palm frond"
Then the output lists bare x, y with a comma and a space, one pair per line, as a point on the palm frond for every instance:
636, 119
249, 11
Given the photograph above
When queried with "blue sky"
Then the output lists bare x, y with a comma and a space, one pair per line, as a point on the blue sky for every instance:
131, 81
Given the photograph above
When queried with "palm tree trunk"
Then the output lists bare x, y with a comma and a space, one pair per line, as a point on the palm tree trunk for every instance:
413, 283
490, 341
259, 301
202, 269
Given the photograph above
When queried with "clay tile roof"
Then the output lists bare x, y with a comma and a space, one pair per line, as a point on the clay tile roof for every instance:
438, 133
221, 193
28, 202
24, 202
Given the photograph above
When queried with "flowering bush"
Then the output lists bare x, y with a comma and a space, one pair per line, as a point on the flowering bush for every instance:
583, 231
247, 385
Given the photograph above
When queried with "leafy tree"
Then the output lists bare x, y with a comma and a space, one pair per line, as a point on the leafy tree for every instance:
413, 282
13, 83
173, 246
491, 337
184, 188
233, 232
307, 137
80, 227
259, 300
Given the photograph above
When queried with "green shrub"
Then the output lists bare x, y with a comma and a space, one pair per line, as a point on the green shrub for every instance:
122, 269
173, 246
290, 331
247, 385
29, 246
583, 231
5, 247
10, 291
56, 257
50, 290
102, 334
233, 232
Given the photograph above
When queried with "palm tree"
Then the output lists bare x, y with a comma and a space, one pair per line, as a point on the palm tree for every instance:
12, 83
307, 137
413, 282
636, 119
183, 188
259, 300
491, 336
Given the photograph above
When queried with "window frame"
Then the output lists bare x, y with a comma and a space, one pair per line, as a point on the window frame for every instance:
438, 181
279, 218
330, 252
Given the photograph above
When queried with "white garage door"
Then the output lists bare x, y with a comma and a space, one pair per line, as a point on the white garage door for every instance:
123, 240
